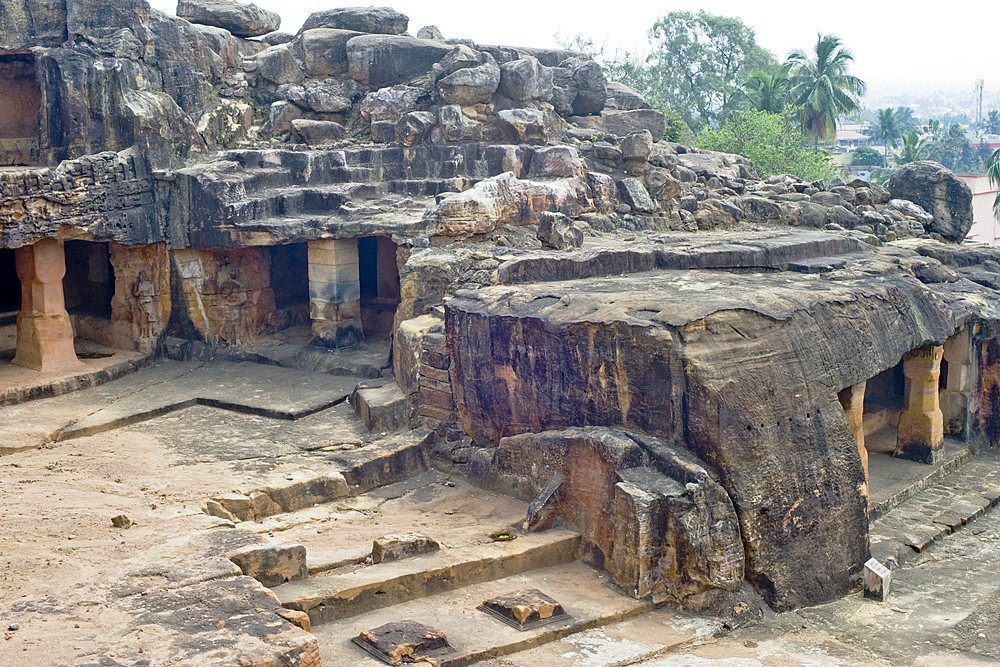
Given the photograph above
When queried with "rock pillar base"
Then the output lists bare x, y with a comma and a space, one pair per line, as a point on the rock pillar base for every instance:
44, 332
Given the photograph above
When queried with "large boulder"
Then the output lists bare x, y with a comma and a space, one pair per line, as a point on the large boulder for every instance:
243, 20
526, 79
471, 85
624, 123
939, 192
375, 20
324, 51
386, 60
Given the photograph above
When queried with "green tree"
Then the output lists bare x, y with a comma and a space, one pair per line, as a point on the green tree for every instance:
697, 63
822, 87
905, 119
770, 143
993, 122
767, 90
993, 171
866, 155
914, 148
886, 129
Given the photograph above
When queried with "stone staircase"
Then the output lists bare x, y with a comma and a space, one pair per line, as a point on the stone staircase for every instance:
282, 192
931, 511
444, 587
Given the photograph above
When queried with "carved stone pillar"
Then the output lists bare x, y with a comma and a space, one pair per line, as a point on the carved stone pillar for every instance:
44, 332
853, 401
335, 293
921, 424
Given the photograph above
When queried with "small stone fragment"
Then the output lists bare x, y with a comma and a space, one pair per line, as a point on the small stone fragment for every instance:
877, 578
122, 521
528, 606
395, 547
404, 640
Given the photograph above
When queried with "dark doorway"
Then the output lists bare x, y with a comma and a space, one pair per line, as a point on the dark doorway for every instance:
10, 285
22, 100
290, 283
89, 284
378, 278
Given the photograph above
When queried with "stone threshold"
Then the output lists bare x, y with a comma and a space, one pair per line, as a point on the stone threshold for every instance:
953, 460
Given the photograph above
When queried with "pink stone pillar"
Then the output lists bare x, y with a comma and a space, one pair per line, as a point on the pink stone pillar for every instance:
921, 424
44, 332
853, 401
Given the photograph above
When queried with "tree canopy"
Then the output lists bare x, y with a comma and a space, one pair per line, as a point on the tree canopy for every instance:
765, 139
698, 63
866, 155
822, 87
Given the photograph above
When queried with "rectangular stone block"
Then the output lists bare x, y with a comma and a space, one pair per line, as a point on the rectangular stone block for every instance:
877, 578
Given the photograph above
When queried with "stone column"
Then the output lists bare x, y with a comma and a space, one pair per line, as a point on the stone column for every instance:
957, 385
44, 332
921, 424
853, 400
335, 293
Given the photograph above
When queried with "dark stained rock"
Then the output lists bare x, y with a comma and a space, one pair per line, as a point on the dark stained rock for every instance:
407, 641
26, 23
278, 65
317, 132
524, 607
414, 127
939, 192
634, 193
591, 93
375, 20
387, 60
241, 19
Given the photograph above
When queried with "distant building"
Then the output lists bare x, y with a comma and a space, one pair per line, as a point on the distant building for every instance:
985, 225
850, 139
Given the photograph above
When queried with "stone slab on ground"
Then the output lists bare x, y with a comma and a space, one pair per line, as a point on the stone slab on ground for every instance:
892, 480
167, 386
475, 635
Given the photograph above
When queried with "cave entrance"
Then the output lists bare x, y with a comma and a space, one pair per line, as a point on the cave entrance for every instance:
89, 284
10, 303
22, 101
883, 403
378, 282
290, 284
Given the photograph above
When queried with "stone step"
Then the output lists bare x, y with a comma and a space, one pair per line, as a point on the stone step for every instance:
382, 408
936, 511
338, 596
475, 635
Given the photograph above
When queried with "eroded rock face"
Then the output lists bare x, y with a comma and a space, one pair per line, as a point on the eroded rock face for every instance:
377, 20
629, 351
940, 193
650, 513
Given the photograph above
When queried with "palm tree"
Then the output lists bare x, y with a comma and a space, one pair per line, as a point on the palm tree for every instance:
993, 122
767, 91
914, 148
822, 87
993, 171
886, 128
905, 119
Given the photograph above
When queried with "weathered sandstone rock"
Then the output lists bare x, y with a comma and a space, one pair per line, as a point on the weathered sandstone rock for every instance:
378, 20
241, 19
939, 192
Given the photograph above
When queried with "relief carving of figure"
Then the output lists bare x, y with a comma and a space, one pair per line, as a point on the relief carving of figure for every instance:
233, 296
144, 291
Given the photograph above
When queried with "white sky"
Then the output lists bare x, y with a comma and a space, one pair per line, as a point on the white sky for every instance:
913, 43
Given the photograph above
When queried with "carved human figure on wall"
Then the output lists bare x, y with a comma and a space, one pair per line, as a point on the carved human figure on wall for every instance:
144, 291
233, 297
